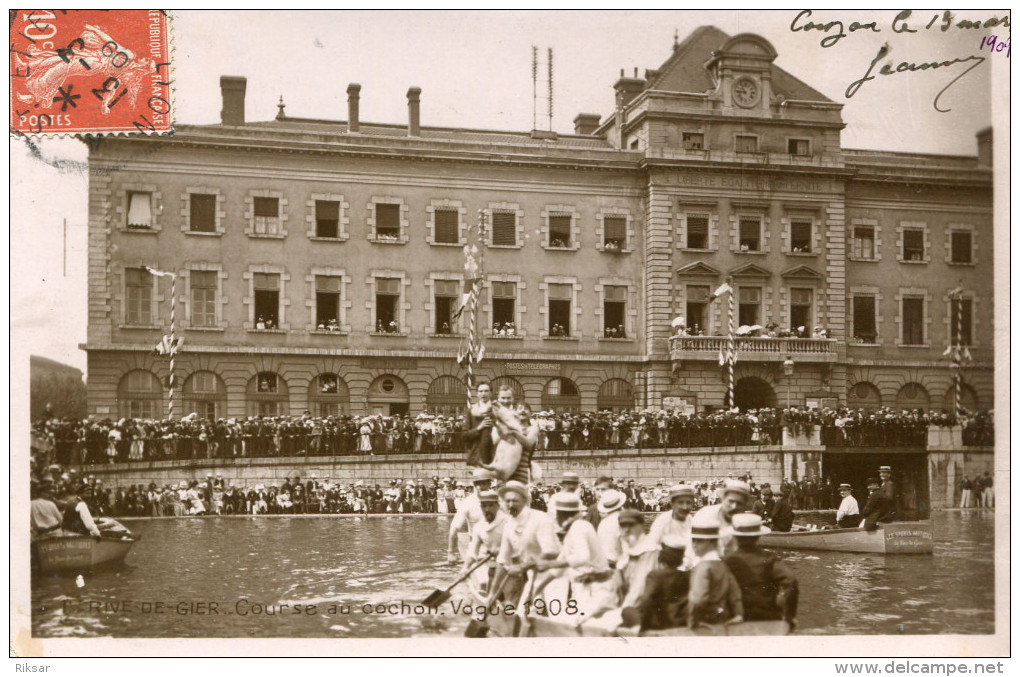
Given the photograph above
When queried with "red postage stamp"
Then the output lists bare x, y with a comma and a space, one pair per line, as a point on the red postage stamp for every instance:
90, 72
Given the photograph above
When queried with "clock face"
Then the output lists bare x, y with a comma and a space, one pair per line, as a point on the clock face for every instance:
745, 92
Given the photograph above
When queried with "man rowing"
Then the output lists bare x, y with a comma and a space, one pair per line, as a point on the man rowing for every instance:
469, 512
529, 537
672, 530
487, 535
736, 496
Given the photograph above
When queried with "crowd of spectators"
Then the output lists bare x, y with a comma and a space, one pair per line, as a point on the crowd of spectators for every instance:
95, 441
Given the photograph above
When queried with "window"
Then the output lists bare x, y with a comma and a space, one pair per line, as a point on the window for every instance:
750, 233
202, 218
694, 141
749, 306
205, 395
328, 396
327, 218
801, 236
913, 321
698, 297
203, 297
267, 395
614, 233
327, 302
697, 231
387, 220
961, 321
139, 210
614, 312
504, 228
267, 216
139, 395
560, 296
504, 299
913, 244
267, 300
447, 226
800, 310
387, 296
865, 326
798, 146
138, 296
746, 143
864, 243
559, 230
961, 247
447, 294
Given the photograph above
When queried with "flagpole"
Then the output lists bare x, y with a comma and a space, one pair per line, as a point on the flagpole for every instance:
956, 362
172, 348
731, 348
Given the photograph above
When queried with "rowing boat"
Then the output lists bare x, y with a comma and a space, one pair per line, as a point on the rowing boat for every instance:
75, 552
897, 538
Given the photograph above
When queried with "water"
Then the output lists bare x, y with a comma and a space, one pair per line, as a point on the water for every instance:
250, 567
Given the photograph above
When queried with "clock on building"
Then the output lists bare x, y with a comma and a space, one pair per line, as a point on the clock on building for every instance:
746, 92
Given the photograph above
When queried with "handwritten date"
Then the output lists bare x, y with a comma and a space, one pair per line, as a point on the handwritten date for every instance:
838, 29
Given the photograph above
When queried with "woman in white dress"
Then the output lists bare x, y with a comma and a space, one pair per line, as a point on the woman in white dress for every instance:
365, 439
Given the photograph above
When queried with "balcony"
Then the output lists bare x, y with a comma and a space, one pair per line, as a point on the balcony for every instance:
754, 349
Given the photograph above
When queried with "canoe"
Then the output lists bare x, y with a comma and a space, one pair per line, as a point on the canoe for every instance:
897, 538
73, 552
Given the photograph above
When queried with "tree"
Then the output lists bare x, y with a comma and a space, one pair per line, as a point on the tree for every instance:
64, 394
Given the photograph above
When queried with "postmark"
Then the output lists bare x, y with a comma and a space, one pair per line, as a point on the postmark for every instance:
90, 72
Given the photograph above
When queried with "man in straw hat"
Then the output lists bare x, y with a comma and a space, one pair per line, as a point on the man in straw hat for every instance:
848, 515
768, 588
609, 505
639, 555
672, 530
528, 537
888, 490
715, 595
469, 511
878, 508
735, 498
487, 535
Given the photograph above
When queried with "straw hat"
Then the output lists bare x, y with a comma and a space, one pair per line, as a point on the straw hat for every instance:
516, 487
748, 524
705, 526
678, 490
488, 497
566, 502
482, 475
611, 501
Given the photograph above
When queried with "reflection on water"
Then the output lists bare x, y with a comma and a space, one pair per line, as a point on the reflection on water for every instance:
229, 577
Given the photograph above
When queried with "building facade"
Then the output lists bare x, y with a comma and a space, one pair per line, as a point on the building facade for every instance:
317, 265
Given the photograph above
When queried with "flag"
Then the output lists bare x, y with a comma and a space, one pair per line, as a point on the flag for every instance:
723, 288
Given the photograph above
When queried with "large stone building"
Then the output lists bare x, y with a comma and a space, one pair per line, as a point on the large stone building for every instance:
318, 263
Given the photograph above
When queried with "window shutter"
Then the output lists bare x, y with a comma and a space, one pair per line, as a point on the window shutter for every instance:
447, 226
504, 228
203, 279
137, 277
697, 225
203, 213
697, 294
387, 285
447, 288
267, 206
750, 295
327, 211
325, 283
561, 292
615, 228
616, 293
267, 281
504, 289
387, 215
800, 297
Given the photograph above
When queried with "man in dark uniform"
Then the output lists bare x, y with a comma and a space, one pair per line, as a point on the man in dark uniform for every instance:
663, 603
878, 508
782, 513
764, 504
889, 490
478, 430
767, 585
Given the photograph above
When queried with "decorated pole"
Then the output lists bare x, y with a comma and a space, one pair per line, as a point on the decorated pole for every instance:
958, 352
728, 356
472, 348
169, 345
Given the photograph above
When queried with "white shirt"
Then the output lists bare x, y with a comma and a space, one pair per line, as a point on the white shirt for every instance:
581, 550
609, 535
469, 513
666, 530
527, 537
847, 507
487, 537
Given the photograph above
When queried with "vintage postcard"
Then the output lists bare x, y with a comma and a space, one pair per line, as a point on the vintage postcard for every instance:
396, 333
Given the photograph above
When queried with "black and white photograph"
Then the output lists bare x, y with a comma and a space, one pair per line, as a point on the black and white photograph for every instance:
431, 332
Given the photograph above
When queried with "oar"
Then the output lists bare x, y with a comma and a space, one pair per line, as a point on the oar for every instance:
437, 596
387, 572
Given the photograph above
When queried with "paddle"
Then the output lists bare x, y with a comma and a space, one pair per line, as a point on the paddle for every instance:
437, 596
387, 572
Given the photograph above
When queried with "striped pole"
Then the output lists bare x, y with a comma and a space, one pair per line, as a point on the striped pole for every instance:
731, 349
173, 342
958, 356
474, 277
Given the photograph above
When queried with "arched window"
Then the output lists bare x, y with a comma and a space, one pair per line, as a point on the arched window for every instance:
864, 395
328, 396
561, 395
968, 398
514, 384
447, 395
140, 395
267, 395
616, 395
913, 396
388, 395
205, 394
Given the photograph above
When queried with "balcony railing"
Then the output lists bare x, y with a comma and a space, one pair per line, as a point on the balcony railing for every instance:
756, 349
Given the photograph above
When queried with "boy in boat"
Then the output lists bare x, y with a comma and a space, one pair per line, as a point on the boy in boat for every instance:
715, 595
769, 590
848, 516
663, 603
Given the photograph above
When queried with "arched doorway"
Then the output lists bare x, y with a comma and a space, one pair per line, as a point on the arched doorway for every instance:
328, 396
447, 395
616, 395
561, 395
388, 395
913, 396
864, 395
752, 392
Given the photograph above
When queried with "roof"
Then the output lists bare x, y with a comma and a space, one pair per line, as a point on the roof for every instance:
684, 70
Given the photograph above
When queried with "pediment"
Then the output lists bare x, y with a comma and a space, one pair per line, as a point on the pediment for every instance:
803, 273
699, 268
750, 270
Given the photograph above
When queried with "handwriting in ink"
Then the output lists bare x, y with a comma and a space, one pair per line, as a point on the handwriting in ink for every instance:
837, 29
993, 44
909, 67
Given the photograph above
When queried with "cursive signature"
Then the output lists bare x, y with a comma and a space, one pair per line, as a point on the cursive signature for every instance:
910, 67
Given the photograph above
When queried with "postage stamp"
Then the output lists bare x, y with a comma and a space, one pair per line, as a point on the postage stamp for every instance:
90, 72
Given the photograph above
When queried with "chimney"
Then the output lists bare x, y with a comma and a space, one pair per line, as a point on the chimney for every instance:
414, 111
353, 96
984, 144
586, 123
628, 88
232, 88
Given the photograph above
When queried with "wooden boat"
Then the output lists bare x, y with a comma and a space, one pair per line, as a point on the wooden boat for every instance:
897, 538
74, 552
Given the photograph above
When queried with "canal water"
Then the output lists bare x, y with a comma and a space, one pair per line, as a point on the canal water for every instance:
256, 577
